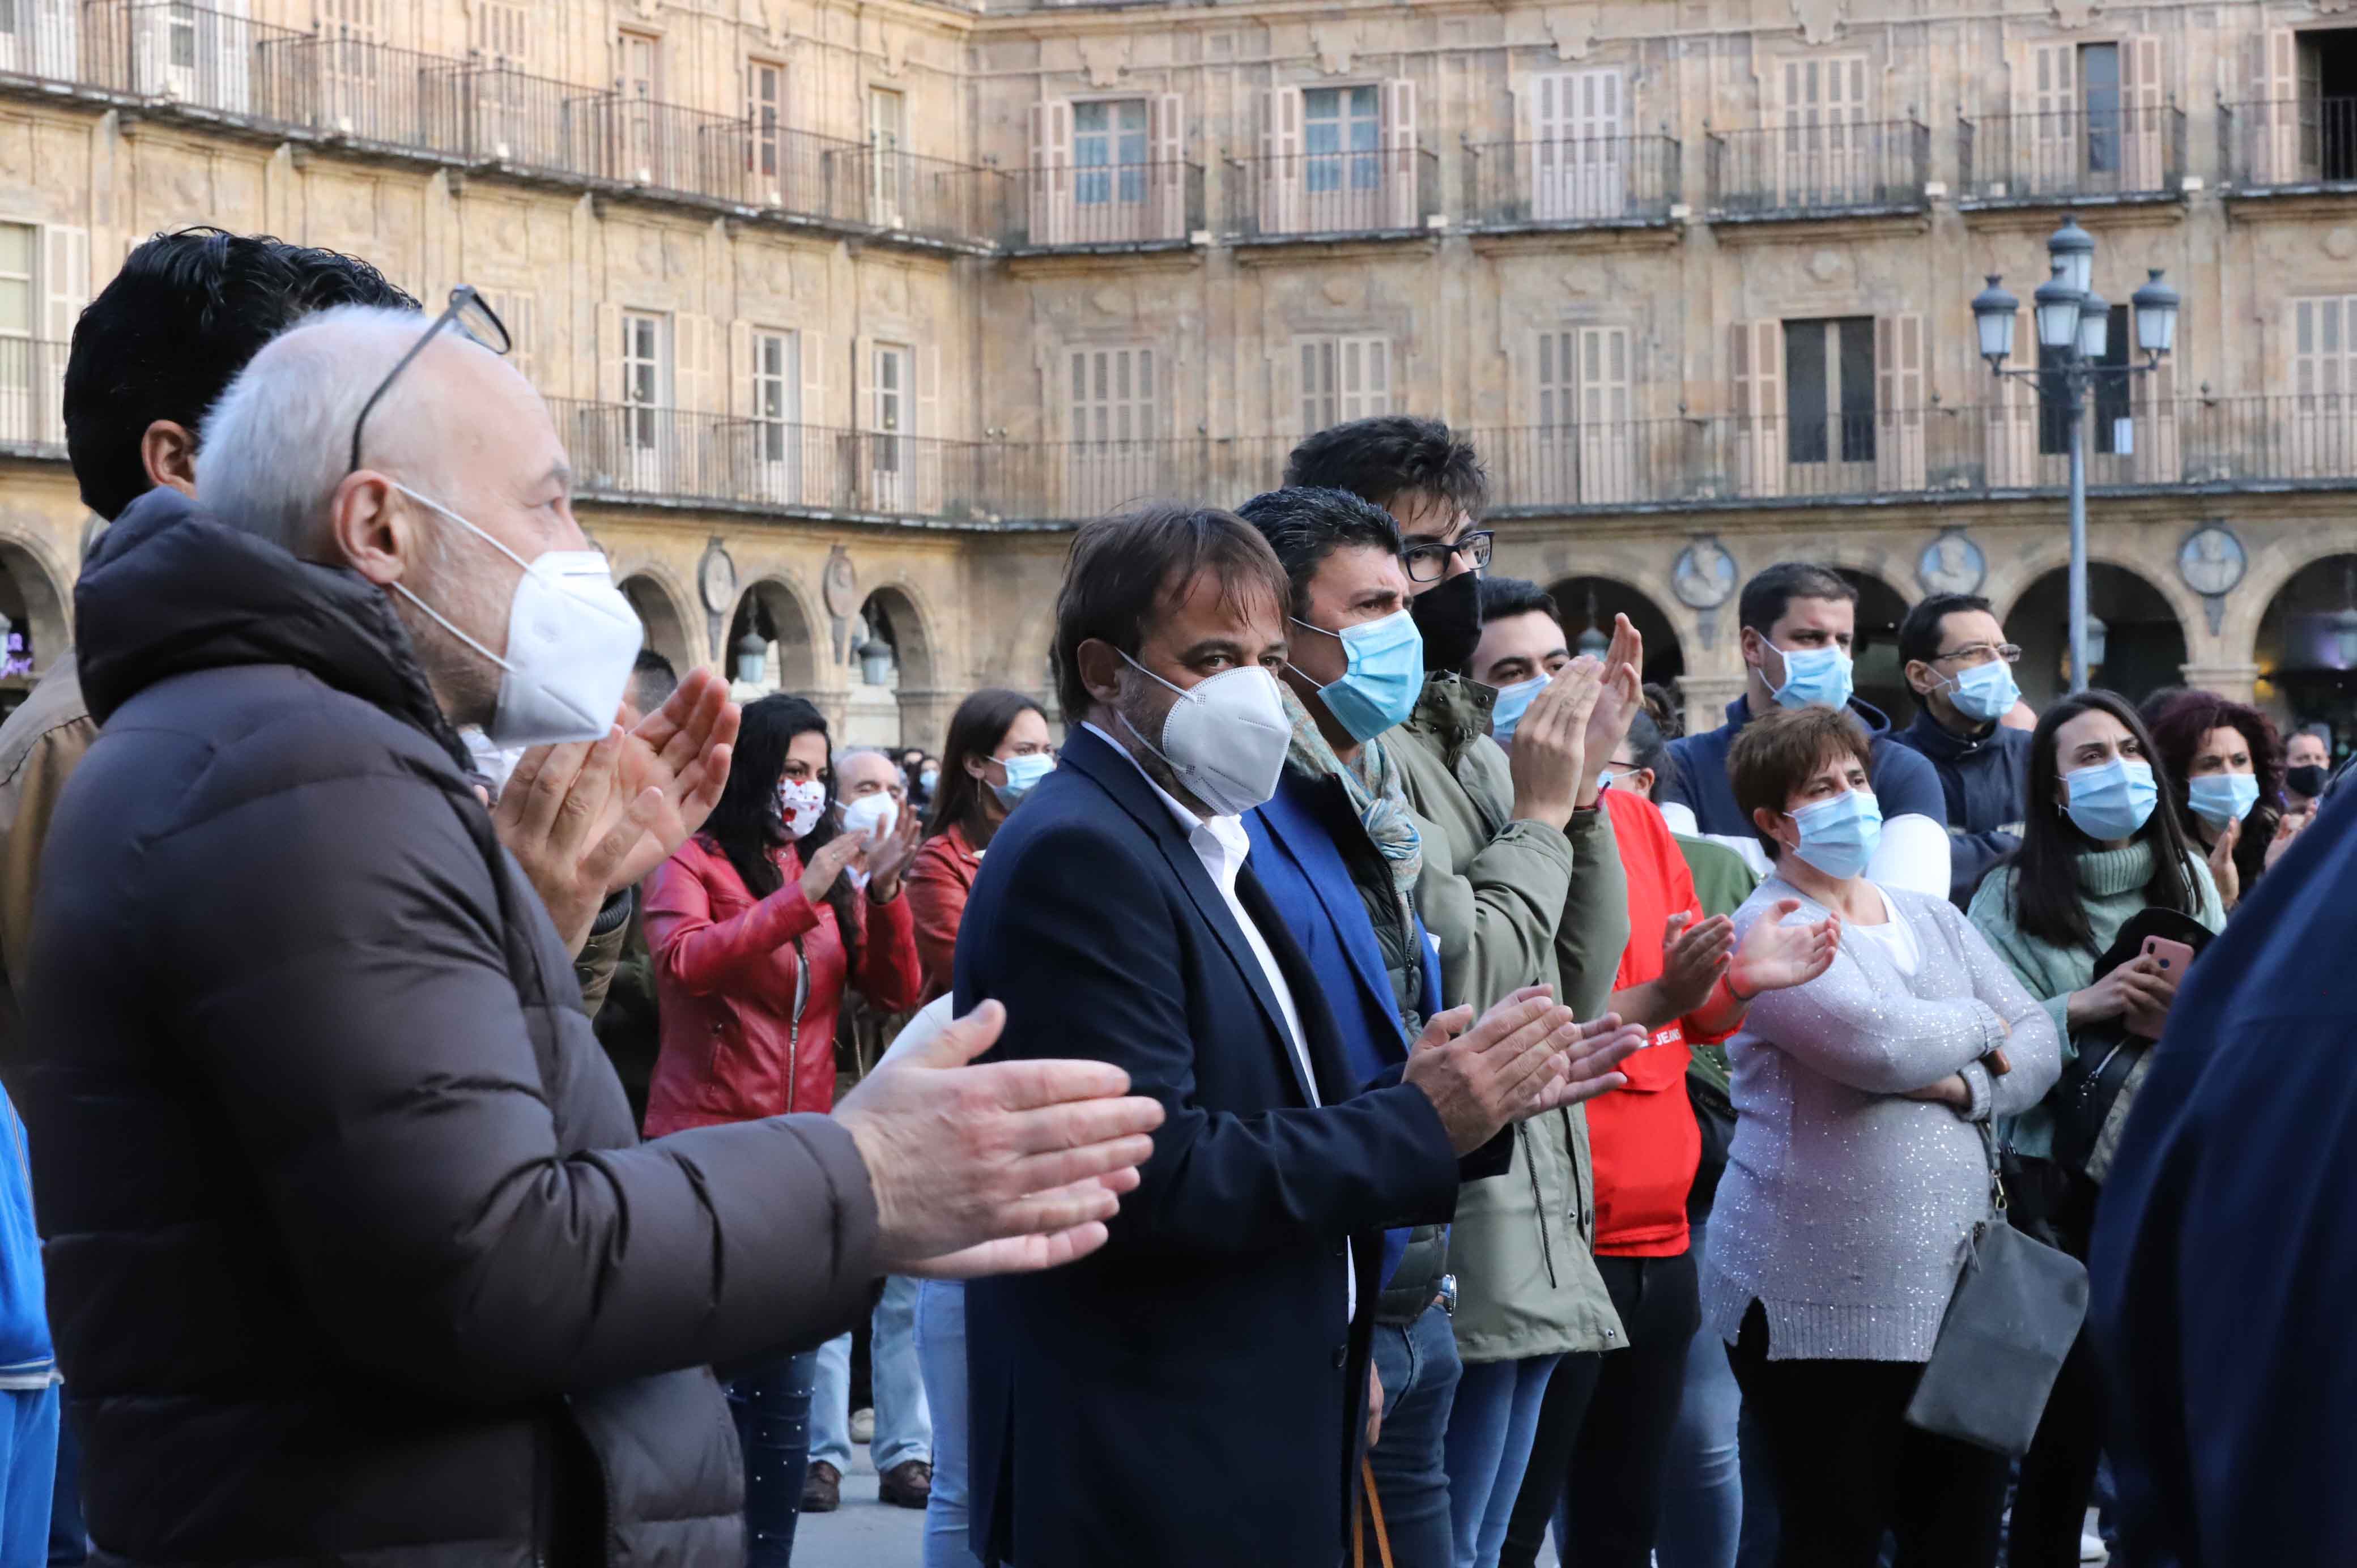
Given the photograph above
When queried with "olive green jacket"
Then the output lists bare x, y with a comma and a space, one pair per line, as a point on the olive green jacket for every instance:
1497, 894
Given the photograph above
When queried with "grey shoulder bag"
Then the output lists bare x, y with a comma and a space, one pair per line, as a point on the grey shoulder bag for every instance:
2016, 1310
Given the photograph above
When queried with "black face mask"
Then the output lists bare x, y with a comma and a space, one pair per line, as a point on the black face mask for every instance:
2307, 780
1449, 616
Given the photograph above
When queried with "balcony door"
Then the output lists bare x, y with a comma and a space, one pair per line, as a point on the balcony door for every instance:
2323, 425
778, 436
1588, 434
890, 453
888, 132
765, 113
348, 93
1108, 169
1110, 459
1822, 152
41, 37
646, 399
1579, 168
642, 146
503, 41
1342, 163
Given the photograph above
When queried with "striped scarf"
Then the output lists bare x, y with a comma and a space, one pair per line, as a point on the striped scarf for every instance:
1373, 786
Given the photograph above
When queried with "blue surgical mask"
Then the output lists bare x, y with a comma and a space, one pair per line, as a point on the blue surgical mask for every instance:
2112, 800
1839, 836
1513, 702
1022, 773
1382, 675
1986, 692
1813, 677
2221, 797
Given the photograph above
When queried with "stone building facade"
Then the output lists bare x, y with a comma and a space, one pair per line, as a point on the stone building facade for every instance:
850, 311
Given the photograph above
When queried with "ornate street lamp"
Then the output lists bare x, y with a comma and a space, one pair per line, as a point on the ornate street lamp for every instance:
1592, 641
752, 657
2073, 333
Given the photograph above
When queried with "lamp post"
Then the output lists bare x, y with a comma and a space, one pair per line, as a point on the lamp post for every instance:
2073, 330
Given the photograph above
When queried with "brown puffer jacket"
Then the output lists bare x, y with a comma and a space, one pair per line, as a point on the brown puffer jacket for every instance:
353, 1255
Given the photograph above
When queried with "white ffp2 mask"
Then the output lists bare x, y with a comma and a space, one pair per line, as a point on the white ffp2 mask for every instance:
1226, 738
572, 638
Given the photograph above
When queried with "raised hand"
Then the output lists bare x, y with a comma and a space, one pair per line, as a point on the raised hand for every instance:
1482, 1078
566, 818
1694, 955
888, 855
827, 861
992, 1169
2221, 866
1774, 955
682, 751
1599, 1048
2287, 829
1619, 699
1549, 759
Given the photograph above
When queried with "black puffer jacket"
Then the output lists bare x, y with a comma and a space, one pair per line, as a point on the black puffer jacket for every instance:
353, 1255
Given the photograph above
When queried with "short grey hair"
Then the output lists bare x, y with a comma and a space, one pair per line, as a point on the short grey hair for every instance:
276, 445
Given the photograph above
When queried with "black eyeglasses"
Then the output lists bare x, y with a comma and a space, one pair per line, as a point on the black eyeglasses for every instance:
1429, 563
470, 316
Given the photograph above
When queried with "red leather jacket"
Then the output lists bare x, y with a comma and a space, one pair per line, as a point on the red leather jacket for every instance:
938, 880
725, 970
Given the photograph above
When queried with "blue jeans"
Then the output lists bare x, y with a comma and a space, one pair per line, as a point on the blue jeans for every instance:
904, 1428
69, 1543
772, 1408
1490, 1432
1702, 1508
940, 1355
1419, 1369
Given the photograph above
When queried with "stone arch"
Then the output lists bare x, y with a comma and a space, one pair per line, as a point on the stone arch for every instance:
896, 613
1878, 675
2303, 648
2275, 560
1665, 657
773, 610
658, 606
39, 602
2145, 636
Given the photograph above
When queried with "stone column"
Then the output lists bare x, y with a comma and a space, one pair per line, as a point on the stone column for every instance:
2237, 682
1706, 698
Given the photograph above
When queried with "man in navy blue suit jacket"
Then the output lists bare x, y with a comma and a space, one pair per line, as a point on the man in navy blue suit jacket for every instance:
1191, 1393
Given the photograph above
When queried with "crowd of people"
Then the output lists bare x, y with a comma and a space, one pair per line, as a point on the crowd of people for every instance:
1375, 1087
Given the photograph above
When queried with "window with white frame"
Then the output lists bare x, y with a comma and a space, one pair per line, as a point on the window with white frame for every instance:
765, 110
646, 373
887, 132
777, 392
1109, 142
1829, 390
1343, 379
1342, 132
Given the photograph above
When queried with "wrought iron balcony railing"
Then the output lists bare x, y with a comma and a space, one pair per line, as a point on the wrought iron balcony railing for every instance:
337, 87
1086, 205
1388, 190
2289, 142
1822, 169
32, 397
1572, 183
2124, 152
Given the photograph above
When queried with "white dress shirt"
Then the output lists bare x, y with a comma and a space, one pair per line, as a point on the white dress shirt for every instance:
1221, 844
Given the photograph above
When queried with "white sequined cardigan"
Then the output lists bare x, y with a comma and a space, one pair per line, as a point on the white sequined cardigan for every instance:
1846, 1210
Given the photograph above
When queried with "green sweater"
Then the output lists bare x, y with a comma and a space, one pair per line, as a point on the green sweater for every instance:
2113, 881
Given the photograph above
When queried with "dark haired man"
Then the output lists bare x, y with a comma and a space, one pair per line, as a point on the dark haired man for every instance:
1520, 883
1798, 622
1193, 1394
1960, 667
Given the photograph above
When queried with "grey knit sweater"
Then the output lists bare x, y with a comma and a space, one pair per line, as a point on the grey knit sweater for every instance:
1846, 1210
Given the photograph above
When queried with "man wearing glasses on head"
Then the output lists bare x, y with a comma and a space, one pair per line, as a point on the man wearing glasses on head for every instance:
1961, 669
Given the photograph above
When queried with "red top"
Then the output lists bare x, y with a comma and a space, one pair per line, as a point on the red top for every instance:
938, 880
725, 978
1646, 1145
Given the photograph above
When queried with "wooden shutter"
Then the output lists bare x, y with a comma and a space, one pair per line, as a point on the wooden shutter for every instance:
1756, 381
740, 400
2323, 383
695, 356
608, 379
2047, 137
1400, 170
2009, 428
1166, 142
2272, 139
1821, 158
65, 286
1898, 456
1576, 155
1555, 384
1362, 378
1280, 161
2158, 460
1606, 426
223, 39
2143, 105
1051, 173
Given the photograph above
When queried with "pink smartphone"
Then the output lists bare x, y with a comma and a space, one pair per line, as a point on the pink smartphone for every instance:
2174, 958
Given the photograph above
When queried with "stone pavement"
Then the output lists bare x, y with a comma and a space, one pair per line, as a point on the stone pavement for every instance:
863, 1533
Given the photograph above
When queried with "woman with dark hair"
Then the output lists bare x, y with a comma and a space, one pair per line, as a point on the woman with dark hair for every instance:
757, 932
2228, 765
2098, 848
998, 748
